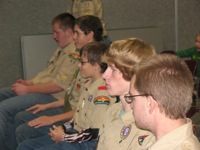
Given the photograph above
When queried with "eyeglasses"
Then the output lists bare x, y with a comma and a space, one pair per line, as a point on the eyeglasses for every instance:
129, 98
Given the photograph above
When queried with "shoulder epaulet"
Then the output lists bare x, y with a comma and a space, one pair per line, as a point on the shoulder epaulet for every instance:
74, 56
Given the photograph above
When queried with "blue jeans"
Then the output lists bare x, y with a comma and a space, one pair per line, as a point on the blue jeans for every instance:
24, 131
45, 143
10, 105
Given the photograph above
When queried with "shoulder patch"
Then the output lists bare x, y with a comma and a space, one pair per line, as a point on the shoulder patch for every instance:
141, 139
74, 56
101, 100
102, 88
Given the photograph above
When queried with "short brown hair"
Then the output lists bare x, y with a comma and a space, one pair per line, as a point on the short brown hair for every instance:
66, 20
93, 52
169, 81
124, 54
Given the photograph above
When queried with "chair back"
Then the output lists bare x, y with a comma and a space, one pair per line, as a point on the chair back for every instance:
168, 52
192, 64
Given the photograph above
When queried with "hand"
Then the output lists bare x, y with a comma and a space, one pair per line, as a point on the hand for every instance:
20, 89
41, 121
37, 108
85, 135
24, 82
56, 133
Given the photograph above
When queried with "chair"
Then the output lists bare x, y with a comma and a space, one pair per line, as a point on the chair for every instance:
168, 52
192, 64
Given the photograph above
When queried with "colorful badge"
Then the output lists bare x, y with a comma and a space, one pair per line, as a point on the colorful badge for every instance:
125, 131
141, 139
101, 100
74, 56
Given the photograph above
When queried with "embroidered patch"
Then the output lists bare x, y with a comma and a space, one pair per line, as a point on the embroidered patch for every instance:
102, 88
101, 100
141, 139
90, 98
125, 131
74, 56
78, 86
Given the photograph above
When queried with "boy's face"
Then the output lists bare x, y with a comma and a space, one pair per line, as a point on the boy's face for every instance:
138, 106
197, 43
60, 36
86, 69
80, 38
115, 83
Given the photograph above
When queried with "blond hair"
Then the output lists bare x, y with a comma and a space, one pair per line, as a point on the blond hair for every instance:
124, 54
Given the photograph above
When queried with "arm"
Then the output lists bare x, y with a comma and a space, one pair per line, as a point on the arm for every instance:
44, 88
58, 135
186, 53
41, 107
48, 120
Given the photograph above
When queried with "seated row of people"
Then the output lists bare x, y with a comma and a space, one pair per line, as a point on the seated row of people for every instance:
101, 106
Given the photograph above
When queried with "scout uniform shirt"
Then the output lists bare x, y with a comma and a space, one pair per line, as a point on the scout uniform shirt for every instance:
181, 138
119, 131
88, 7
60, 70
93, 103
73, 93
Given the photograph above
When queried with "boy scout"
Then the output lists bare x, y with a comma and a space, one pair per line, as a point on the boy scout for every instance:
47, 86
82, 132
160, 96
119, 130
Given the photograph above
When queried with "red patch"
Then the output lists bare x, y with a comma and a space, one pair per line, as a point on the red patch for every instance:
78, 86
102, 88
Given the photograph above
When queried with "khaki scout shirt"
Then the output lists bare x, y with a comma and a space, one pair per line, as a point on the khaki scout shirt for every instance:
181, 138
119, 131
74, 92
60, 70
88, 7
93, 103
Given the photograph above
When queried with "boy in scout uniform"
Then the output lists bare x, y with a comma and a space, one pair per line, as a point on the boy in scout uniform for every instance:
47, 86
82, 131
37, 121
160, 96
119, 130
89, 7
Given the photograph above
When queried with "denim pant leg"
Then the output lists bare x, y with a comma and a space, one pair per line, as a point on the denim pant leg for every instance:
89, 145
10, 107
24, 132
35, 143
6, 93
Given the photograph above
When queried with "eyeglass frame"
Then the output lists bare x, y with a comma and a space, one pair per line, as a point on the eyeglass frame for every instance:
129, 98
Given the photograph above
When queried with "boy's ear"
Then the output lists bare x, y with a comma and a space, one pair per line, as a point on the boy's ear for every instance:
91, 34
97, 67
